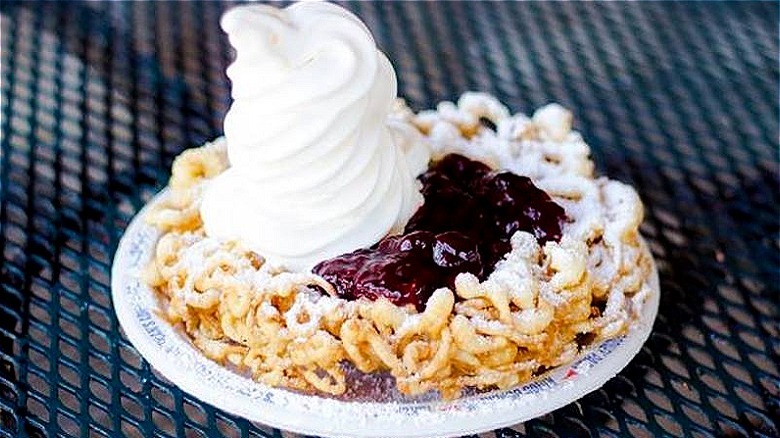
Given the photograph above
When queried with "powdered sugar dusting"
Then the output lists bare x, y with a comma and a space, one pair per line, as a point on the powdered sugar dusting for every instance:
599, 247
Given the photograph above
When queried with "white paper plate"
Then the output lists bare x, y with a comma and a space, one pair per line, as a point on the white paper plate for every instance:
171, 353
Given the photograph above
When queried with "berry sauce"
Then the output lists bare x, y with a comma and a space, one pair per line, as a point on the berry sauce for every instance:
465, 224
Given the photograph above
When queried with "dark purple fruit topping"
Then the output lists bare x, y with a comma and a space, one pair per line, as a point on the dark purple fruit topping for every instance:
465, 224
404, 269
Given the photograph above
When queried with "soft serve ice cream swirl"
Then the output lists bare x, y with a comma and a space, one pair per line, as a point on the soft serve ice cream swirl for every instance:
315, 169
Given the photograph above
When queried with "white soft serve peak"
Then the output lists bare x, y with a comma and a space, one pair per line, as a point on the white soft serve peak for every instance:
315, 169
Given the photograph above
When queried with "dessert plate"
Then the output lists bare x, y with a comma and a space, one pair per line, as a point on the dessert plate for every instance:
375, 409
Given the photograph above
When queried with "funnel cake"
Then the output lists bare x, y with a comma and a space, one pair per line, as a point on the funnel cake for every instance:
563, 267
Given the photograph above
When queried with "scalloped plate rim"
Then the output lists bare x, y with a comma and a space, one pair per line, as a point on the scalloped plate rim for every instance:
173, 356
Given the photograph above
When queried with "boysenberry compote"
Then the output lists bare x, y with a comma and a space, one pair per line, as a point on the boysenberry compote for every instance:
405, 269
465, 224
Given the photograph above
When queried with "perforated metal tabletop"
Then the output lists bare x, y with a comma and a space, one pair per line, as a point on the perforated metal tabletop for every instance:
680, 100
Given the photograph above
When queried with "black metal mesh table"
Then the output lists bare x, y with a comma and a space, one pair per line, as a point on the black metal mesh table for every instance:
680, 100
